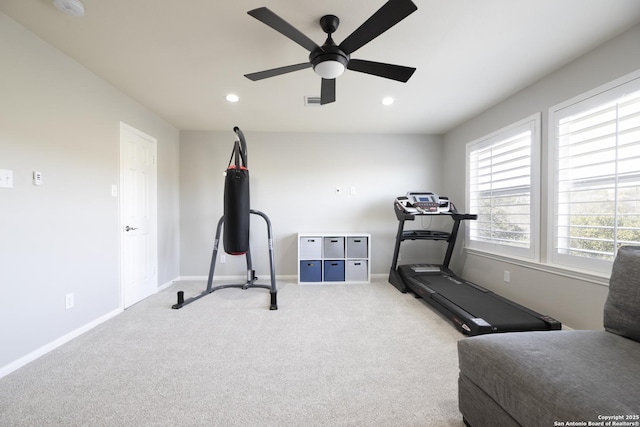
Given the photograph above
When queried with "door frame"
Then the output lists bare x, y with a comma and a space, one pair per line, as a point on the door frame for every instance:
153, 207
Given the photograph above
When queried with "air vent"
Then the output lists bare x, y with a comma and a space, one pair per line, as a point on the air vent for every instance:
312, 101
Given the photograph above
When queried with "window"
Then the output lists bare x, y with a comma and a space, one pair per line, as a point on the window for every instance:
502, 188
595, 153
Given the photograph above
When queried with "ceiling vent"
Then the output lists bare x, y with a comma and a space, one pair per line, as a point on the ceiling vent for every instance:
311, 101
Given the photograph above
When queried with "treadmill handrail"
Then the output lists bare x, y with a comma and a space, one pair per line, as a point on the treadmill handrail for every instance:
449, 237
455, 215
425, 235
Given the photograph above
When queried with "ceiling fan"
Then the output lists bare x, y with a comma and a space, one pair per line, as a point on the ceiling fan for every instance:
330, 60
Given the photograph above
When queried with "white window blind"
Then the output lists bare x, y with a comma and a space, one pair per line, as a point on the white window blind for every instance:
597, 178
502, 188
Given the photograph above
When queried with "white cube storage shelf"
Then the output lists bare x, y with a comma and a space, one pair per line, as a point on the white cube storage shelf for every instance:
334, 258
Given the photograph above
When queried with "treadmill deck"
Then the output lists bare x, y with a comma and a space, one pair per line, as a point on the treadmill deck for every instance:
473, 309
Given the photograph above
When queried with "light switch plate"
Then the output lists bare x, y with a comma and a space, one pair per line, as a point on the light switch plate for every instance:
37, 178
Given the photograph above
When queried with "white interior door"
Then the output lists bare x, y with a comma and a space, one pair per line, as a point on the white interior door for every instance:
138, 217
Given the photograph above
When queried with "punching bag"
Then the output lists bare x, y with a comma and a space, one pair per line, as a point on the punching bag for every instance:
236, 200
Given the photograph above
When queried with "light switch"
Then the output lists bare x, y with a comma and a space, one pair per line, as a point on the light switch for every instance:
37, 178
6, 178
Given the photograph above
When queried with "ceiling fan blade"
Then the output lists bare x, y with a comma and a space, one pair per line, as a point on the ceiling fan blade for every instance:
269, 18
386, 17
388, 71
327, 91
277, 71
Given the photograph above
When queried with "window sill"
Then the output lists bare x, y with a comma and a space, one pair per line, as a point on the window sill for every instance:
592, 277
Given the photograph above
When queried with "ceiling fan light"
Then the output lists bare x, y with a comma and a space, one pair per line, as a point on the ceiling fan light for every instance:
329, 69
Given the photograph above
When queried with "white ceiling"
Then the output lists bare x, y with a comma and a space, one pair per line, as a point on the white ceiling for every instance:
181, 57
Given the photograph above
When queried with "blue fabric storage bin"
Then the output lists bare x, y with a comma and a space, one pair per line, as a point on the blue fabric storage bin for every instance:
310, 271
334, 271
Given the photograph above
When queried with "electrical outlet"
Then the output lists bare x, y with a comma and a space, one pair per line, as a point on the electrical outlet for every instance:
69, 301
223, 259
507, 276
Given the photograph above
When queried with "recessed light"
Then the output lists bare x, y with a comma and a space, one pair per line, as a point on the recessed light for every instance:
232, 97
70, 7
388, 101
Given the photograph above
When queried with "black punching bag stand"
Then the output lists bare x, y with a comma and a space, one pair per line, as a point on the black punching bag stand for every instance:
240, 149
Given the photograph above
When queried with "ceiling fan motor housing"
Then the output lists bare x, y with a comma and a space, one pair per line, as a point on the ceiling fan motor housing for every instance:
330, 52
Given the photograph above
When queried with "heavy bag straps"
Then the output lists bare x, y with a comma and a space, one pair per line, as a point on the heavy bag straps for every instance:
239, 156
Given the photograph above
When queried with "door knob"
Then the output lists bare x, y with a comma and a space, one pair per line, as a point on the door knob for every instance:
127, 228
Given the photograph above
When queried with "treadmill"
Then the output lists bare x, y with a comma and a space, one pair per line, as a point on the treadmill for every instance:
472, 309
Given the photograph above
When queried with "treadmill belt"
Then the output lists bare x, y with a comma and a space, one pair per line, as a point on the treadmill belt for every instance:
497, 312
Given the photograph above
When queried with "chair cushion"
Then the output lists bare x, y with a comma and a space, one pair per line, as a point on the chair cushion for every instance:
622, 307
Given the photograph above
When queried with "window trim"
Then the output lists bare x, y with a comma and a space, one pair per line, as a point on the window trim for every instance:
532, 123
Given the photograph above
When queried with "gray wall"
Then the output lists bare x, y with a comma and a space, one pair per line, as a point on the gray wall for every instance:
573, 300
58, 118
293, 181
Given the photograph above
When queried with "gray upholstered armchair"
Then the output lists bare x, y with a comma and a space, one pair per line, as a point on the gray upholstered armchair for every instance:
554, 377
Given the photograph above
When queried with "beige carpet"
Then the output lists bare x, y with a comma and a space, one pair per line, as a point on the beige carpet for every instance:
332, 355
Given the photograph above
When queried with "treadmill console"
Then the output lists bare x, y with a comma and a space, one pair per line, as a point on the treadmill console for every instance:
423, 202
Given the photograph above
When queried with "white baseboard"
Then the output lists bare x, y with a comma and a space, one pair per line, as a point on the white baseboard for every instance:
261, 278
166, 285
287, 278
190, 278
17, 364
